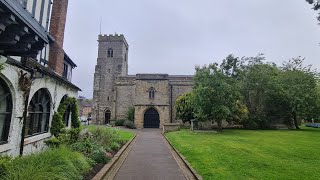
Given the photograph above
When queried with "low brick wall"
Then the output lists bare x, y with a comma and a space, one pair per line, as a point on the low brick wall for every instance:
169, 127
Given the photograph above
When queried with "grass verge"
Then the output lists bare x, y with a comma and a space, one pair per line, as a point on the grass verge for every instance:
247, 154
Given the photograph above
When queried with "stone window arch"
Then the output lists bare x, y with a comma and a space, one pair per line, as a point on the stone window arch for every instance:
152, 93
5, 111
39, 113
110, 52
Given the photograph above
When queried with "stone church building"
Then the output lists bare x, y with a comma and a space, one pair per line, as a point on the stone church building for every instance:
152, 95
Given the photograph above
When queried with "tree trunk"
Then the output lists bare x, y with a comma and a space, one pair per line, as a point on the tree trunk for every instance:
295, 120
219, 125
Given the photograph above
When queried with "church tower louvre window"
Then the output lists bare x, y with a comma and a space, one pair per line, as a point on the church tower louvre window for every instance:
110, 52
152, 93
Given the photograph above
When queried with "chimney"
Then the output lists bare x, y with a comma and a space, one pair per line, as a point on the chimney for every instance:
57, 27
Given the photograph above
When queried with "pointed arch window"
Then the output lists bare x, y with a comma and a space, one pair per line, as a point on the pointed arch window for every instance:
110, 52
152, 93
39, 114
5, 111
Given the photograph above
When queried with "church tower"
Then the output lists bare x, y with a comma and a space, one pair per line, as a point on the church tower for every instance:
112, 61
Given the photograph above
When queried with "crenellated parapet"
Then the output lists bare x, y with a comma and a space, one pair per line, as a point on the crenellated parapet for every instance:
113, 38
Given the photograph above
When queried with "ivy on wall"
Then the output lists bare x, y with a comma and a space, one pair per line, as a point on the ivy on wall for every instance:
57, 121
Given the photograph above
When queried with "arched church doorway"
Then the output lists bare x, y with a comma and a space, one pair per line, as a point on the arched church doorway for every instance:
151, 119
107, 117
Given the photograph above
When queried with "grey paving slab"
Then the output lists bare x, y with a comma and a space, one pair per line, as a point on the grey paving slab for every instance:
149, 159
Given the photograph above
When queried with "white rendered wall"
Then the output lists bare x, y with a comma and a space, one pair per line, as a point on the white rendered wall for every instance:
56, 90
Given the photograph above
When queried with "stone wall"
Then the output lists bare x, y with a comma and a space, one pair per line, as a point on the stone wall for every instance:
162, 91
133, 91
164, 114
125, 96
180, 85
56, 90
106, 72
114, 90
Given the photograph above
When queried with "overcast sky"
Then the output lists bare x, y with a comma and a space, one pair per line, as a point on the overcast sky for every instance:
172, 36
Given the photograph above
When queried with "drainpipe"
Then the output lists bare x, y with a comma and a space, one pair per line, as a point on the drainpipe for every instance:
25, 111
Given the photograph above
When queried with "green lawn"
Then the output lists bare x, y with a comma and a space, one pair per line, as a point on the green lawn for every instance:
124, 135
248, 154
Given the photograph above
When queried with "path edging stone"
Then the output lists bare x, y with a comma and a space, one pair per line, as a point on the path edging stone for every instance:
114, 160
186, 163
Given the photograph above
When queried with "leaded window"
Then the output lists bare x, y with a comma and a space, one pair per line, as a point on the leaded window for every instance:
110, 52
152, 93
39, 114
5, 111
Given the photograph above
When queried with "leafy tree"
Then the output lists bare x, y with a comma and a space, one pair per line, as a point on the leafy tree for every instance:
257, 90
299, 90
185, 108
215, 95
316, 6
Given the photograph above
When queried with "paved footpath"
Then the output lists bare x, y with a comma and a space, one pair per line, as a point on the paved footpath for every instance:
149, 159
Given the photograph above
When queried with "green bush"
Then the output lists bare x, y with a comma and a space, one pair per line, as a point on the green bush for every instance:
130, 114
108, 149
129, 124
120, 122
99, 156
75, 120
74, 134
104, 136
53, 164
85, 146
57, 124
53, 142
115, 146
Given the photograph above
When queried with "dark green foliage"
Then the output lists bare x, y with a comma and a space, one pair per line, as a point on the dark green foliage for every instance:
57, 124
53, 164
185, 108
129, 124
114, 146
4, 165
215, 94
57, 120
99, 156
120, 122
130, 114
85, 146
316, 6
53, 142
75, 121
256, 94
74, 134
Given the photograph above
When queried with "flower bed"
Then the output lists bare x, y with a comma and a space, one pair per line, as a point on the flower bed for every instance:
73, 155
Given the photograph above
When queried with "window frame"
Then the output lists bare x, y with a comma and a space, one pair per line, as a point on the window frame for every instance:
110, 53
152, 93
8, 112
39, 112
